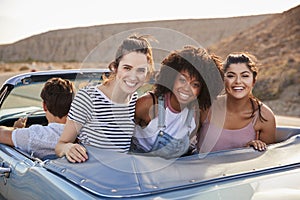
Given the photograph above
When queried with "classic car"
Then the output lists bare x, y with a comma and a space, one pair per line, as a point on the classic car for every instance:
232, 174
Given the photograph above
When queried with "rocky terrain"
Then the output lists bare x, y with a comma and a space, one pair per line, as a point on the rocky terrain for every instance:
274, 39
75, 44
276, 44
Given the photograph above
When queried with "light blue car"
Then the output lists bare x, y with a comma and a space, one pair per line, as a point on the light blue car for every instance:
239, 174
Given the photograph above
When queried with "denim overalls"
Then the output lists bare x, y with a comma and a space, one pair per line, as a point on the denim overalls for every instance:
165, 145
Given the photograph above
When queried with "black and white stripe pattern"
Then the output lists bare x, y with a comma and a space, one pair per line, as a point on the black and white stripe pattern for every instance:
105, 124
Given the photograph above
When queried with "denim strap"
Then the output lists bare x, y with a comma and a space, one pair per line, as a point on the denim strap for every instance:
161, 113
189, 118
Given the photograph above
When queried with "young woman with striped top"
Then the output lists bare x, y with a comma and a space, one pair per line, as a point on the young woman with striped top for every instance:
103, 115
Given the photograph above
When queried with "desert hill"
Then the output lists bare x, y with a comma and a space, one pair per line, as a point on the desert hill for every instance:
74, 44
276, 43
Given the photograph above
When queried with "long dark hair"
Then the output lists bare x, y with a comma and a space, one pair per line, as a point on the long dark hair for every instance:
251, 62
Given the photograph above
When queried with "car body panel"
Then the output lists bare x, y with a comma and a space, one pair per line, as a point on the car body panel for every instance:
232, 174
29, 180
114, 174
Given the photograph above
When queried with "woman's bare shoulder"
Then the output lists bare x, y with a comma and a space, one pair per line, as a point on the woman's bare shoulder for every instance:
267, 111
146, 98
142, 109
144, 102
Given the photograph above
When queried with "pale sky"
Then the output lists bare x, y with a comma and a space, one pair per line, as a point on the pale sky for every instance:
20, 19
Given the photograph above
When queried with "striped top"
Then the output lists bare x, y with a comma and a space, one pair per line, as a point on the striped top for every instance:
105, 124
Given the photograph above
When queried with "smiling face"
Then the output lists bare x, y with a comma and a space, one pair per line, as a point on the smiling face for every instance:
239, 80
132, 72
186, 88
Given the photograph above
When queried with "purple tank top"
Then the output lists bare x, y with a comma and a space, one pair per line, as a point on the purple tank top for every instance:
213, 138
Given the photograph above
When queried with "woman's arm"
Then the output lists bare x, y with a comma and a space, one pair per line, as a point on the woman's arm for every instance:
144, 110
267, 129
65, 145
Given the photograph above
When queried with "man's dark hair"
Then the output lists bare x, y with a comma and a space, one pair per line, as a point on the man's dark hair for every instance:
58, 94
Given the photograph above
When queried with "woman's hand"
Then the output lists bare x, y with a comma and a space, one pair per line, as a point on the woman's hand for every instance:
75, 153
257, 145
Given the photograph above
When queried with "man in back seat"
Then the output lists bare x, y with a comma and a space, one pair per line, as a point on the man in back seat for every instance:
57, 95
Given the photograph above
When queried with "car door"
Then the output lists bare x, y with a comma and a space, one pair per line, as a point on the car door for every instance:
14, 166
